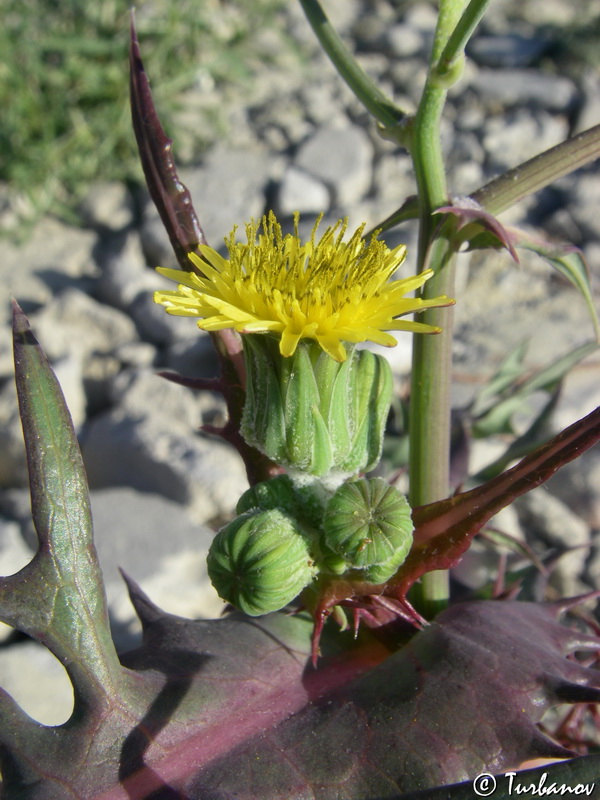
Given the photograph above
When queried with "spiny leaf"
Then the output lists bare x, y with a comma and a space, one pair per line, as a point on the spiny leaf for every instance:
232, 708
443, 530
58, 598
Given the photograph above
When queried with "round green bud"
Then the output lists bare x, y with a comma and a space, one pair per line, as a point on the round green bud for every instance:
367, 524
260, 562
277, 492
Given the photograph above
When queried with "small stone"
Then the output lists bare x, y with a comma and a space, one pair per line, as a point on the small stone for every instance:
507, 50
124, 271
108, 205
517, 87
37, 681
516, 136
75, 324
404, 41
301, 192
149, 441
53, 257
153, 323
227, 189
547, 522
158, 544
342, 159
194, 356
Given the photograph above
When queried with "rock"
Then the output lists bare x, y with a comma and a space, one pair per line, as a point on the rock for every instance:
194, 357
547, 522
142, 393
227, 189
301, 192
54, 257
124, 273
108, 206
507, 50
14, 555
13, 465
518, 135
75, 324
578, 484
37, 681
158, 544
585, 195
589, 113
152, 321
403, 41
342, 159
148, 441
519, 87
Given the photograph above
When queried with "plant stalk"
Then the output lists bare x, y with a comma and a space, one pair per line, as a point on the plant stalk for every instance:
429, 429
370, 95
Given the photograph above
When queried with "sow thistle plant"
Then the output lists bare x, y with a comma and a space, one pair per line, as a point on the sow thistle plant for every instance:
264, 704
315, 405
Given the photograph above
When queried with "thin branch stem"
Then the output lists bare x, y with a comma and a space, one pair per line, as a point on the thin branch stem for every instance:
455, 46
374, 100
528, 178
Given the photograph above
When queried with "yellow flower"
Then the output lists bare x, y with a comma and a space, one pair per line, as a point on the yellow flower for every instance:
328, 290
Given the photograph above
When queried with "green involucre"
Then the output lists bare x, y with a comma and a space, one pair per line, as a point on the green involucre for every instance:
367, 526
312, 414
261, 561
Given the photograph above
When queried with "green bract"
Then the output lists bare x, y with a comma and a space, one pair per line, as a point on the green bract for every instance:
260, 562
367, 526
312, 414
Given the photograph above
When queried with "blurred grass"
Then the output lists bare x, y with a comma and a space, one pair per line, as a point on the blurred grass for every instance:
64, 86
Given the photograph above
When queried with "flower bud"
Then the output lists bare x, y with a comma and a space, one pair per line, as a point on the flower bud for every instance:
277, 492
260, 562
367, 526
312, 414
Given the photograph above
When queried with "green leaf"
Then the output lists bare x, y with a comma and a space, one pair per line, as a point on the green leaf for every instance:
537, 433
509, 371
569, 261
498, 419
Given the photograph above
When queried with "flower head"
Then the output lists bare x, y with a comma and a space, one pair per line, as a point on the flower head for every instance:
330, 290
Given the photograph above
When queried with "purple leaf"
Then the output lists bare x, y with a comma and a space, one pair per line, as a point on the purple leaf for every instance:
238, 713
170, 196
472, 218
232, 707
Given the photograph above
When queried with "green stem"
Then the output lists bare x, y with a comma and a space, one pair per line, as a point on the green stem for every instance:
430, 391
453, 51
374, 100
528, 178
